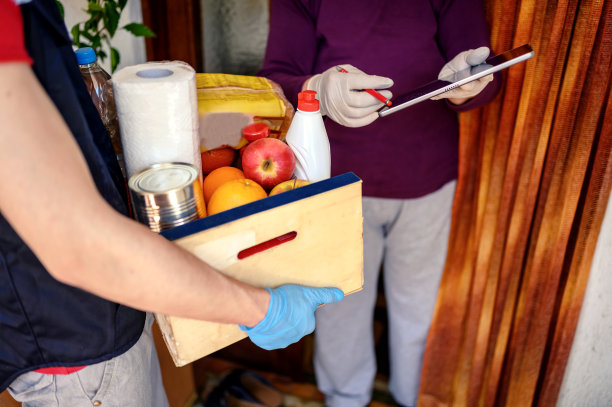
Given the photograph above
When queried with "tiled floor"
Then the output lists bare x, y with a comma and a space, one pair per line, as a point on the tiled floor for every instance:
295, 394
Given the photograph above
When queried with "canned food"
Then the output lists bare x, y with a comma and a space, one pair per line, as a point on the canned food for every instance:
167, 195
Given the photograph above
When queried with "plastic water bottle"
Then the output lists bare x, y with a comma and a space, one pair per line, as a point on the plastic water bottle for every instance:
308, 139
100, 88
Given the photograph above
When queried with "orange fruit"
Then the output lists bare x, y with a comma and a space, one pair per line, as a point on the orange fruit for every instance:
199, 199
219, 157
218, 177
288, 186
235, 193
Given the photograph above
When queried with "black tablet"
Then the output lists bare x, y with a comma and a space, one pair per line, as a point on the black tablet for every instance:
425, 92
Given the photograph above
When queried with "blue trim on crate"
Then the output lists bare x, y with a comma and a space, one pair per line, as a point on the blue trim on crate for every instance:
261, 205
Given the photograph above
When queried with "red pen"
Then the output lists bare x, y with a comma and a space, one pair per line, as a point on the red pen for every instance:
370, 91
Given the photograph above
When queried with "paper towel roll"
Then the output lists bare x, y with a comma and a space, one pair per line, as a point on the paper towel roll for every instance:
158, 114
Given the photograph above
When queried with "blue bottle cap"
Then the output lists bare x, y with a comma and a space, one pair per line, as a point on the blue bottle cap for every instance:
85, 55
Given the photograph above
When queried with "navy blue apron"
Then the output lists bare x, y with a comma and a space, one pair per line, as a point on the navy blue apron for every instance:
43, 322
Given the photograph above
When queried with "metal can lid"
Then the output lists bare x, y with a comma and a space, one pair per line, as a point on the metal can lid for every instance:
164, 178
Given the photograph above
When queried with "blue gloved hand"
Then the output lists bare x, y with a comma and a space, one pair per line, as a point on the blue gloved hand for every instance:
290, 315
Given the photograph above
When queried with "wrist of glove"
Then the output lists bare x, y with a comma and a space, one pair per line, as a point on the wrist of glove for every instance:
290, 315
457, 69
342, 97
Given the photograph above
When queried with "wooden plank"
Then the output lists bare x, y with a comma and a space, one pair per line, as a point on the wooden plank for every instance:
7, 401
327, 251
178, 32
179, 382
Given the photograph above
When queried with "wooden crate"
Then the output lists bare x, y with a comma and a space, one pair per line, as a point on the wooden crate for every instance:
312, 235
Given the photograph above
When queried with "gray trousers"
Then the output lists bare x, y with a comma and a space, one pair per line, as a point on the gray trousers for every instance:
410, 237
130, 379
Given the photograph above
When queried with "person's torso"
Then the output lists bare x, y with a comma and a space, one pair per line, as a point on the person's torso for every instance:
412, 152
45, 322
407, 154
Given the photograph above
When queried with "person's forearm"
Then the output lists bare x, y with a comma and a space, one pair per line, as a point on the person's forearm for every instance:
48, 196
137, 267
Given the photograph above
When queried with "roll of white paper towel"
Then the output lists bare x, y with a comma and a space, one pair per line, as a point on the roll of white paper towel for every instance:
157, 109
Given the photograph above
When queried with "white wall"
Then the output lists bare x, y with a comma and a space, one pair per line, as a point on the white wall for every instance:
588, 376
234, 35
131, 49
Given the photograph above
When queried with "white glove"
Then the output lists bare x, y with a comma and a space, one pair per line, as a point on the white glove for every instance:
463, 60
341, 96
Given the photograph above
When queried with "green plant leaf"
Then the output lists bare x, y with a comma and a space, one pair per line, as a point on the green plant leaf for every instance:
76, 35
111, 18
92, 6
92, 23
60, 6
87, 35
115, 59
90, 33
139, 30
96, 43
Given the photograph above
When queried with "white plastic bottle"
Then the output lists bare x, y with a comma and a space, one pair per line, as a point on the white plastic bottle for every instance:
308, 139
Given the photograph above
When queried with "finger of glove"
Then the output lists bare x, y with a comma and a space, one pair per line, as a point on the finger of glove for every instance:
468, 90
355, 117
270, 342
290, 330
349, 68
363, 81
355, 122
477, 85
456, 64
464, 60
325, 295
314, 83
362, 99
477, 56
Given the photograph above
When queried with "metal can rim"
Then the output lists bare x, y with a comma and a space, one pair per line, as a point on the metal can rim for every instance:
133, 181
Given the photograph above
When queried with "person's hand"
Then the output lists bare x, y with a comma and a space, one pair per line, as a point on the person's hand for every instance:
341, 96
454, 68
290, 315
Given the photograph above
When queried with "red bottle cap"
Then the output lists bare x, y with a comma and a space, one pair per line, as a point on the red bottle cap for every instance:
307, 101
255, 131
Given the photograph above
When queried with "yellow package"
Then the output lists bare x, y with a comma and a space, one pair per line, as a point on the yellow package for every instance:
228, 103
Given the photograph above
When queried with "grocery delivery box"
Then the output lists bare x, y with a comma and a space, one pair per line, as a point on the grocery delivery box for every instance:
311, 235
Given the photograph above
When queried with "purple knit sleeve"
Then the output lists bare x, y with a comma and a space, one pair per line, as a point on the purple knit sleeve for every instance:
462, 25
292, 45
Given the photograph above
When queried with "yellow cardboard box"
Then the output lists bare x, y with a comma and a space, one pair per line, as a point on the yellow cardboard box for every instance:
312, 235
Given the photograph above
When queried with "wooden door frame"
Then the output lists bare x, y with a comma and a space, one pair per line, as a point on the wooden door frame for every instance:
178, 28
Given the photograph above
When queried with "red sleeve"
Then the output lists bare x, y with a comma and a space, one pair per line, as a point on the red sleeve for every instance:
12, 45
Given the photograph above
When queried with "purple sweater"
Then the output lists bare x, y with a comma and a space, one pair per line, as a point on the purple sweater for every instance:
409, 153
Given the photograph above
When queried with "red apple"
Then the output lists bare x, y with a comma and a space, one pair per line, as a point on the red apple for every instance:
268, 161
288, 186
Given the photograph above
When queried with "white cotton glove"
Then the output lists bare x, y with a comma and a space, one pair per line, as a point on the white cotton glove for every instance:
341, 96
463, 60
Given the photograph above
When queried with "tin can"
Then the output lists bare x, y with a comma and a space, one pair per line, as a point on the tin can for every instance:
167, 195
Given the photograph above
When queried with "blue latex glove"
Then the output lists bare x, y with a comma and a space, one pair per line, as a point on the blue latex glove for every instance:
290, 315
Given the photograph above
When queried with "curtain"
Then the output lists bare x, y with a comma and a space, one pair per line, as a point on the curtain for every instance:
535, 173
